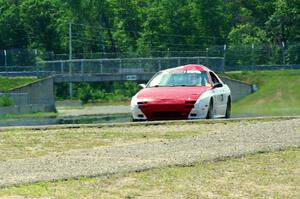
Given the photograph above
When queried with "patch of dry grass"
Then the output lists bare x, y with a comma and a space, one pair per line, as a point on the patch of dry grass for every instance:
22, 144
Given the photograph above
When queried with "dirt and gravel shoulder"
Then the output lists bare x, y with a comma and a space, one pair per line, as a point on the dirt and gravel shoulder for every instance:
236, 139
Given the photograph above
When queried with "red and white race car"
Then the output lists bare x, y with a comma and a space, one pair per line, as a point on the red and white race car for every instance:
185, 92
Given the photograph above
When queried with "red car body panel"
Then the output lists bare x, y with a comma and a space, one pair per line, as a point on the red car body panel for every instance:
169, 102
171, 93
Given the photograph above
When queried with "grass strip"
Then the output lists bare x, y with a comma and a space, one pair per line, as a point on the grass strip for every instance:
265, 175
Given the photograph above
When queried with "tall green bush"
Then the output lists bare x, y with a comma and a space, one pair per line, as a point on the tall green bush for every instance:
85, 93
116, 91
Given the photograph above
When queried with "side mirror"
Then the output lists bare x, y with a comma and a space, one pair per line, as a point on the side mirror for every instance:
218, 85
142, 86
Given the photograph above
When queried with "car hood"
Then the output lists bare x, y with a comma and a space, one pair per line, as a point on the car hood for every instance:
172, 93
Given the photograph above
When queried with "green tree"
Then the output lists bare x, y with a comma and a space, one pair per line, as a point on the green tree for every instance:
12, 32
137, 26
284, 23
247, 34
258, 12
43, 21
126, 22
213, 20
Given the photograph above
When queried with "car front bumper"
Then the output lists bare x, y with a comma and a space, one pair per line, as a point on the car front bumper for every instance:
157, 111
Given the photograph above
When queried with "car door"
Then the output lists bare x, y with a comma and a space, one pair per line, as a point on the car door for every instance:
219, 95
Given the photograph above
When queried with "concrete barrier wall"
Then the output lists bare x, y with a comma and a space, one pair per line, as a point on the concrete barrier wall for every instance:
20, 98
238, 89
17, 98
34, 97
40, 92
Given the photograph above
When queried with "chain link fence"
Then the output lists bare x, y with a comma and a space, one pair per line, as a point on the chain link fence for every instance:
219, 58
124, 66
262, 57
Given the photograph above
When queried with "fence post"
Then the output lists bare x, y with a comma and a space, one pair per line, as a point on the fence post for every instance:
70, 67
224, 58
101, 66
36, 63
71, 90
5, 62
178, 61
283, 52
120, 66
252, 56
140, 65
61, 67
159, 65
207, 57
81, 67
70, 84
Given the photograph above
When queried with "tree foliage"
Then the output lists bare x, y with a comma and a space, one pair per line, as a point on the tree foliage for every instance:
247, 34
138, 26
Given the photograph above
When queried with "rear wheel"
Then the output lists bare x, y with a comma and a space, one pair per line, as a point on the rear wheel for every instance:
210, 112
228, 109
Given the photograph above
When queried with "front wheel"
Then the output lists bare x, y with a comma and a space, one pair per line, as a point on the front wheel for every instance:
228, 109
210, 112
137, 120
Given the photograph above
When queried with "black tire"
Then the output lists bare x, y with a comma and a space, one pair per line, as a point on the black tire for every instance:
210, 112
134, 120
228, 108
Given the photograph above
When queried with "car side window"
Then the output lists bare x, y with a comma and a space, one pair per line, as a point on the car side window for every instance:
214, 79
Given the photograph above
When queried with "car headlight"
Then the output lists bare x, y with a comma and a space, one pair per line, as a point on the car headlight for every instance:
133, 100
139, 101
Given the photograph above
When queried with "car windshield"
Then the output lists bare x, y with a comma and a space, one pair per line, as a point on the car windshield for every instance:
179, 78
